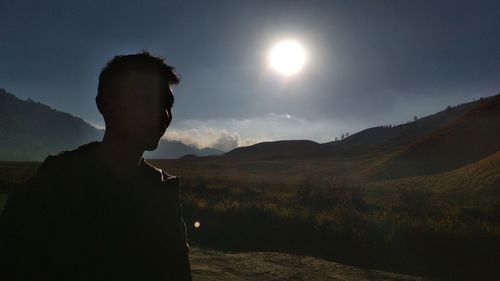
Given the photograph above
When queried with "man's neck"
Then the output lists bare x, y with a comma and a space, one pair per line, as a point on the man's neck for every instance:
120, 157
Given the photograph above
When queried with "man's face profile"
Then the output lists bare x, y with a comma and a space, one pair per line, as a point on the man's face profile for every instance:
141, 109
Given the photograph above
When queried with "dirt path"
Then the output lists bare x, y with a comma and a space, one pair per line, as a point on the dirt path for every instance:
208, 265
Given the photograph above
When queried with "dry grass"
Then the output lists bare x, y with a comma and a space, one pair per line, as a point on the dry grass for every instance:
420, 225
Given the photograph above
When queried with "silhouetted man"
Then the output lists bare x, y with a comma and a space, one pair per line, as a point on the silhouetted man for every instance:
101, 212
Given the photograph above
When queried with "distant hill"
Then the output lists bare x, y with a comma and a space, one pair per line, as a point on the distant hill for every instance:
470, 137
285, 149
393, 137
447, 140
450, 139
382, 139
29, 131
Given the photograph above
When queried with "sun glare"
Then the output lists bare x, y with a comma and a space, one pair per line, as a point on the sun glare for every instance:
287, 57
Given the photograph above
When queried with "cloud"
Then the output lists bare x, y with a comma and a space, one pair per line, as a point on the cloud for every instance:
98, 127
228, 133
226, 142
203, 136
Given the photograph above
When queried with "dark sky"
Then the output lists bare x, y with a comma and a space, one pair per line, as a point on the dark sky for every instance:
368, 62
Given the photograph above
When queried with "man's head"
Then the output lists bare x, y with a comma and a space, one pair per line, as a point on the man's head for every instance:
135, 98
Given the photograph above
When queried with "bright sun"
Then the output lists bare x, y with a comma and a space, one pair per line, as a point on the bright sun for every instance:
287, 57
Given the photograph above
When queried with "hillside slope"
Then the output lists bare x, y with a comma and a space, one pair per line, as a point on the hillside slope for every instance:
393, 137
467, 139
379, 140
479, 178
29, 131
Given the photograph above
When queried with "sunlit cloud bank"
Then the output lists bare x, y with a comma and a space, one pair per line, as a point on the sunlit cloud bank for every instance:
225, 134
203, 136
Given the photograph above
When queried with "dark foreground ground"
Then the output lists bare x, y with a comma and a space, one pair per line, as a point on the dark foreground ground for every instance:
209, 265
444, 226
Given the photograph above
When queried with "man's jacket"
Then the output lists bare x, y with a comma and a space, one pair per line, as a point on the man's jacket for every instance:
75, 221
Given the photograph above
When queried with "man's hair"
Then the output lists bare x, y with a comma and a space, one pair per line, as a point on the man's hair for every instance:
136, 63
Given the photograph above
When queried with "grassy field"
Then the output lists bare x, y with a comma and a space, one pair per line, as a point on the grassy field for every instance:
445, 226
325, 208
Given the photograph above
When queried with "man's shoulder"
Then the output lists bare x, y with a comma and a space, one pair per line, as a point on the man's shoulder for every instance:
49, 183
71, 160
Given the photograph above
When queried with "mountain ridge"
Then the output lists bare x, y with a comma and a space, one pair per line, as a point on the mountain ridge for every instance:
461, 135
30, 131
469, 138
34, 130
